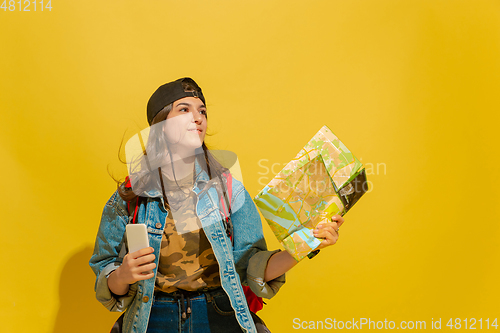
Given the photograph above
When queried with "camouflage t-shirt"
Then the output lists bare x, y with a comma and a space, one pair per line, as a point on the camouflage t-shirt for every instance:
187, 260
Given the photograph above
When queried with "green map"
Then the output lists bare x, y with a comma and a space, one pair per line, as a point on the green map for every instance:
323, 180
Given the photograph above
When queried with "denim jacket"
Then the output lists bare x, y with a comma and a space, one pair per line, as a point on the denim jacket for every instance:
243, 263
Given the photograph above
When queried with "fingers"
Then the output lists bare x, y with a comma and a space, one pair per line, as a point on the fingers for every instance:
328, 231
141, 252
145, 272
339, 219
131, 272
142, 257
145, 276
140, 262
139, 258
325, 229
138, 266
141, 269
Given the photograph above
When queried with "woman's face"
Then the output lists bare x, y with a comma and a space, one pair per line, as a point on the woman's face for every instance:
186, 123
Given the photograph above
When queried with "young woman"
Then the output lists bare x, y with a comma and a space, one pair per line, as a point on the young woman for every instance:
190, 278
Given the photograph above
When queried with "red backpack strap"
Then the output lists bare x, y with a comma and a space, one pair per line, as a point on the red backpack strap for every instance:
131, 205
135, 208
255, 303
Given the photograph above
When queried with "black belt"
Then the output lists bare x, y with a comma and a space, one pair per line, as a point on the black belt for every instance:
182, 295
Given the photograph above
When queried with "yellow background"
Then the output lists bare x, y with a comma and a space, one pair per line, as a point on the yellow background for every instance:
409, 86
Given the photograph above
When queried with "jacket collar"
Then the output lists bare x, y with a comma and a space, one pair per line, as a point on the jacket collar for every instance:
200, 181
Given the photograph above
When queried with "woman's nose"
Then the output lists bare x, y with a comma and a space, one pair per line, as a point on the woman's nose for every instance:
197, 117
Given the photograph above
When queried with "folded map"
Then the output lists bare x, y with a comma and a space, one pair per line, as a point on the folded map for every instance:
323, 180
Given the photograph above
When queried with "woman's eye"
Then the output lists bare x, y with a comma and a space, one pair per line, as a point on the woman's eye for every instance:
183, 110
203, 112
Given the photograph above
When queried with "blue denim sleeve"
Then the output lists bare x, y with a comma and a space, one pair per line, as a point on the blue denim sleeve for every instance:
250, 249
107, 254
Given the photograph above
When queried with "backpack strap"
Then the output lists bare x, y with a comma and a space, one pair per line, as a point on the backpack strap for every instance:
132, 205
225, 202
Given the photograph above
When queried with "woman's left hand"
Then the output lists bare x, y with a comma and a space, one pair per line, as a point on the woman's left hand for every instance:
328, 231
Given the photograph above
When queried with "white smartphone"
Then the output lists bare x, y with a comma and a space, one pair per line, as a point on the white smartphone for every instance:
137, 237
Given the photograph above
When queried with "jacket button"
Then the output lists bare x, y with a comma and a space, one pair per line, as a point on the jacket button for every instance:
145, 299
158, 225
